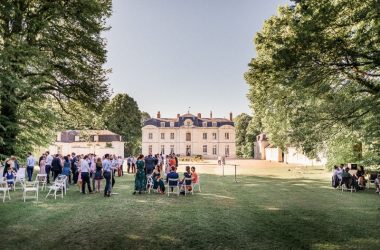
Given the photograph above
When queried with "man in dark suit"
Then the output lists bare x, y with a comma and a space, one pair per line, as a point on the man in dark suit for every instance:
56, 166
149, 164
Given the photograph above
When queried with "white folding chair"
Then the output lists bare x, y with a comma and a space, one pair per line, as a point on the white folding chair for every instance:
175, 188
149, 183
186, 186
4, 188
20, 177
198, 183
42, 179
57, 186
63, 178
30, 187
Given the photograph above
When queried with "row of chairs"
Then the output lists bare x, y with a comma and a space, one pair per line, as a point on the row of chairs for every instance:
175, 189
59, 185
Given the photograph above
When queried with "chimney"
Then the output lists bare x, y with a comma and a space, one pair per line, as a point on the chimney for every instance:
158, 114
199, 115
178, 115
210, 114
231, 116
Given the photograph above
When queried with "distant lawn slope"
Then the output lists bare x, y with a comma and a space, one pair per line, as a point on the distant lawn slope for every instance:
255, 213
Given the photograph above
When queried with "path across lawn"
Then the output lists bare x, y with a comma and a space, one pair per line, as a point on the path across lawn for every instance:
290, 210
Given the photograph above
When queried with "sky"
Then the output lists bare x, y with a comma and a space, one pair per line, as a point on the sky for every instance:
170, 55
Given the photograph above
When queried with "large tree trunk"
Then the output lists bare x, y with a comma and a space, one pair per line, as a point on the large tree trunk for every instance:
8, 112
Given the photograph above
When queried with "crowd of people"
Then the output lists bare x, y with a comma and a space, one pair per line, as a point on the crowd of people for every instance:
89, 170
160, 169
354, 177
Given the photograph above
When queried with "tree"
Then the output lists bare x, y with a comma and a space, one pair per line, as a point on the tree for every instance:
144, 116
48, 50
316, 76
122, 116
241, 125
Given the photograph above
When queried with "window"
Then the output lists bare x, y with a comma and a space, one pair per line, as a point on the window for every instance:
214, 136
188, 150
150, 149
172, 124
227, 136
204, 124
171, 149
171, 136
162, 124
96, 137
150, 136
205, 149
162, 136
227, 151
204, 136
163, 149
76, 138
188, 136
214, 150
214, 124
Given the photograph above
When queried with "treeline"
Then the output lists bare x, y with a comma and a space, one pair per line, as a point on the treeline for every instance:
52, 75
315, 81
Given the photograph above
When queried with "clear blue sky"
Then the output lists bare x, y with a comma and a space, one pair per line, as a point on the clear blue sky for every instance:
172, 54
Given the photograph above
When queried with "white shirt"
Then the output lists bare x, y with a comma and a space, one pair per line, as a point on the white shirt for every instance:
49, 160
84, 167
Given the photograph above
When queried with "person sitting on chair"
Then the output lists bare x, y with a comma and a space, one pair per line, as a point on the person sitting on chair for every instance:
187, 174
9, 175
172, 175
157, 180
360, 177
194, 175
337, 176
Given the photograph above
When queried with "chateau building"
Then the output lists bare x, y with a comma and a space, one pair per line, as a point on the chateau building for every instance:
99, 142
189, 135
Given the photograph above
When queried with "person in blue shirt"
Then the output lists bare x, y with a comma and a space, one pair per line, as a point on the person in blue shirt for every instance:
10, 177
149, 165
172, 175
30, 166
66, 169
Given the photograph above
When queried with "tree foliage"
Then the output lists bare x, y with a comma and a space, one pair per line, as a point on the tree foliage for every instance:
316, 77
247, 128
48, 50
122, 116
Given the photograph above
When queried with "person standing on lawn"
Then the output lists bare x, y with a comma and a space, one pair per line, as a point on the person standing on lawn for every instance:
30, 166
140, 179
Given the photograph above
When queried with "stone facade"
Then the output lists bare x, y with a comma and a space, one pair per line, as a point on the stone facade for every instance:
99, 142
189, 135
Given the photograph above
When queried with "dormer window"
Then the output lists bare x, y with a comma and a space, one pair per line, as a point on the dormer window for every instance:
76, 138
204, 124
162, 124
172, 124
96, 137
214, 124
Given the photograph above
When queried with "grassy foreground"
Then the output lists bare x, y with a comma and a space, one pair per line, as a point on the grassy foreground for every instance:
255, 213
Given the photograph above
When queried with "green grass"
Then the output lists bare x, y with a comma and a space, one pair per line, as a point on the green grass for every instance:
255, 213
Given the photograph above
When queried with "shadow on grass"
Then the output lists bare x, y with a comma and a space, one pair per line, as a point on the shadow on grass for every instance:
255, 213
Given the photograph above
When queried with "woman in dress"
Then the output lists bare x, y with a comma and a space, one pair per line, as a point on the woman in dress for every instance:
98, 174
140, 179
158, 183
42, 164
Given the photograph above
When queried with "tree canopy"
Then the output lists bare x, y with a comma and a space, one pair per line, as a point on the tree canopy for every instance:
51, 52
315, 80
122, 116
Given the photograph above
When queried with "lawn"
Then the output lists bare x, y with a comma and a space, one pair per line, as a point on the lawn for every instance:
255, 213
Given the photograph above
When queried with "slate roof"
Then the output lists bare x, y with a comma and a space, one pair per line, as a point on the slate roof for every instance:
197, 122
88, 135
